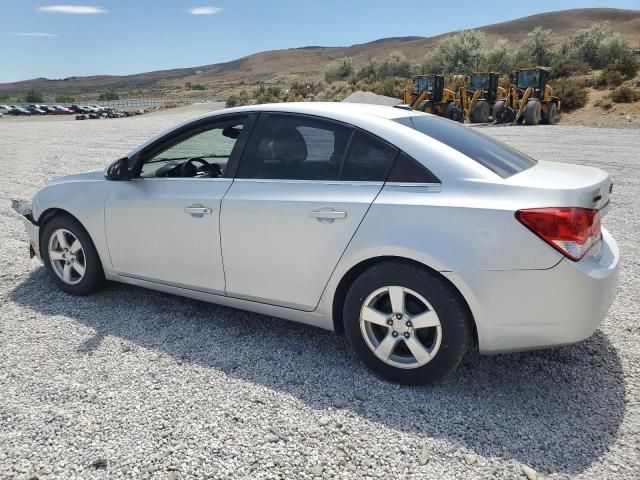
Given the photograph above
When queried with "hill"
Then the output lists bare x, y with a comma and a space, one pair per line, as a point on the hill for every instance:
309, 62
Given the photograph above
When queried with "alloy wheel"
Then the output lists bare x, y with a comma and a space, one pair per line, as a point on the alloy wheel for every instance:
67, 256
400, 327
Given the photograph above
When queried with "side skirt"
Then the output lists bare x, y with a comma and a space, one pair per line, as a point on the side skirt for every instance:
315, 319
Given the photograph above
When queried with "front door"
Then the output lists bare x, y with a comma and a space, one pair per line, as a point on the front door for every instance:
163, 225
302, 188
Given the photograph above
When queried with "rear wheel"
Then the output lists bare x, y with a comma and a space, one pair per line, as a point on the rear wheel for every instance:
533, 112
481, 112
502, 113
70, 256
453, 112
406, 324
552, 116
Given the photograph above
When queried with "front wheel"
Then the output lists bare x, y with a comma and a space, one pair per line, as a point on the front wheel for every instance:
407, 324
70, 256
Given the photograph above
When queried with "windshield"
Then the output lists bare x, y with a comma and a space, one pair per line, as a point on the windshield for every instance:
425, 83
528, 78
478, 82
501, 159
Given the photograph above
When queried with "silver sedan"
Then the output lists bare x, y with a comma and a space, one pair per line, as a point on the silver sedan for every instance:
417, 237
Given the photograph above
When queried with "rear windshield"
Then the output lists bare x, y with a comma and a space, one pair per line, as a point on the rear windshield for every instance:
501, 159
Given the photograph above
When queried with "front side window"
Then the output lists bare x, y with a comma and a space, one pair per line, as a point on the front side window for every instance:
498, 157
287, 147
204, 154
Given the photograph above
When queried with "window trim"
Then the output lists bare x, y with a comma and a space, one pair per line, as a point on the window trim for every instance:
353, 128
195, 128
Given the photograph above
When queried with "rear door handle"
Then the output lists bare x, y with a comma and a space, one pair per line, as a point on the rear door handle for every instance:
198, 210
327, 214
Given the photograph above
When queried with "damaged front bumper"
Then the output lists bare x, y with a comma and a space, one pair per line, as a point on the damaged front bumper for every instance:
33, 231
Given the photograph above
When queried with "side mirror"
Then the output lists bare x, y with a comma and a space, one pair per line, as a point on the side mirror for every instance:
118, 170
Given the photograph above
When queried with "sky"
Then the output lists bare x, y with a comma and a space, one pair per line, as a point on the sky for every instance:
63, 38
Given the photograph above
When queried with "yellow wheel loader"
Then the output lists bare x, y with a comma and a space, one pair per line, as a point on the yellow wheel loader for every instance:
478, 99
530, 99
430, 96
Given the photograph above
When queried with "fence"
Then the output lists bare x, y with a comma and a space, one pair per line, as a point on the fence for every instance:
141, 103
137, 103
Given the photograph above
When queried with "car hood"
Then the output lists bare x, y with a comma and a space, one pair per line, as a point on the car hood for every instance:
93, 175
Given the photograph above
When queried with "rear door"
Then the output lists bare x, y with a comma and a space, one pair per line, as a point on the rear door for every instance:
302, 188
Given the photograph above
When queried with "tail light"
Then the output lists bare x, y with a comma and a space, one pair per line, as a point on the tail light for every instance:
570, 230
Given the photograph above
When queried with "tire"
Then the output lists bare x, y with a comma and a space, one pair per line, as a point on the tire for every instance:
533, 112
445, 336
551, 118
453, 112
497, 108
75, 271
481, 112
427, 107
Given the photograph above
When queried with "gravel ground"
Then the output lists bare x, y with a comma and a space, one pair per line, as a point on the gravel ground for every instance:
130, 383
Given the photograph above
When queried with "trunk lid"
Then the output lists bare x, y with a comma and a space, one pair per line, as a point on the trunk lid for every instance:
581, 186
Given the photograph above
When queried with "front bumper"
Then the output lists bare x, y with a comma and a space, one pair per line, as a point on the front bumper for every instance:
33, 231
529, 309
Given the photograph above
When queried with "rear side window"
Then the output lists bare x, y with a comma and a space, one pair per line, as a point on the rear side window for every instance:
408, 170
287, 147
501, 159
369, 159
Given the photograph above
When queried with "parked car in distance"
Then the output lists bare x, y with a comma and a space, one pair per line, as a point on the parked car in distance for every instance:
60, 110
16, 110
81, 109
416, 236
5, 109
35, 110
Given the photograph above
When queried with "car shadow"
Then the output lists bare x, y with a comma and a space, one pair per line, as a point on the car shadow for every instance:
557, 410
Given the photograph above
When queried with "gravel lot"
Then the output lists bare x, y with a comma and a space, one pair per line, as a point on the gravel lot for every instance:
131, 383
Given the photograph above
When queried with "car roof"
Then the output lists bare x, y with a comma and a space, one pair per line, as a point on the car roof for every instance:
326, 109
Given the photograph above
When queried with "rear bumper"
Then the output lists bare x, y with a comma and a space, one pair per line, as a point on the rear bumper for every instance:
33, 231
529, 309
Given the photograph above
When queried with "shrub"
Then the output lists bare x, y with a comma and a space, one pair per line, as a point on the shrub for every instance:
625, 94
572, 93
609, 78
64, 99
598, 46
109, 96
33, 97
238, 100
271, 94
232, 101
340, 70
536, 48
605, 103
462, 53
394, 65
198, 86
368, 70
500, 58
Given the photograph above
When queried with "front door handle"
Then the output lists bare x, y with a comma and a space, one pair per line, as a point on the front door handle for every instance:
197, 210
327, 214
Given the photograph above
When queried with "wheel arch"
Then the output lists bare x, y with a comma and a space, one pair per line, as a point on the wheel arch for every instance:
356, 270
52, 212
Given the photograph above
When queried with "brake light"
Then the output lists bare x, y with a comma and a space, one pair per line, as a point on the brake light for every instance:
570, 230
